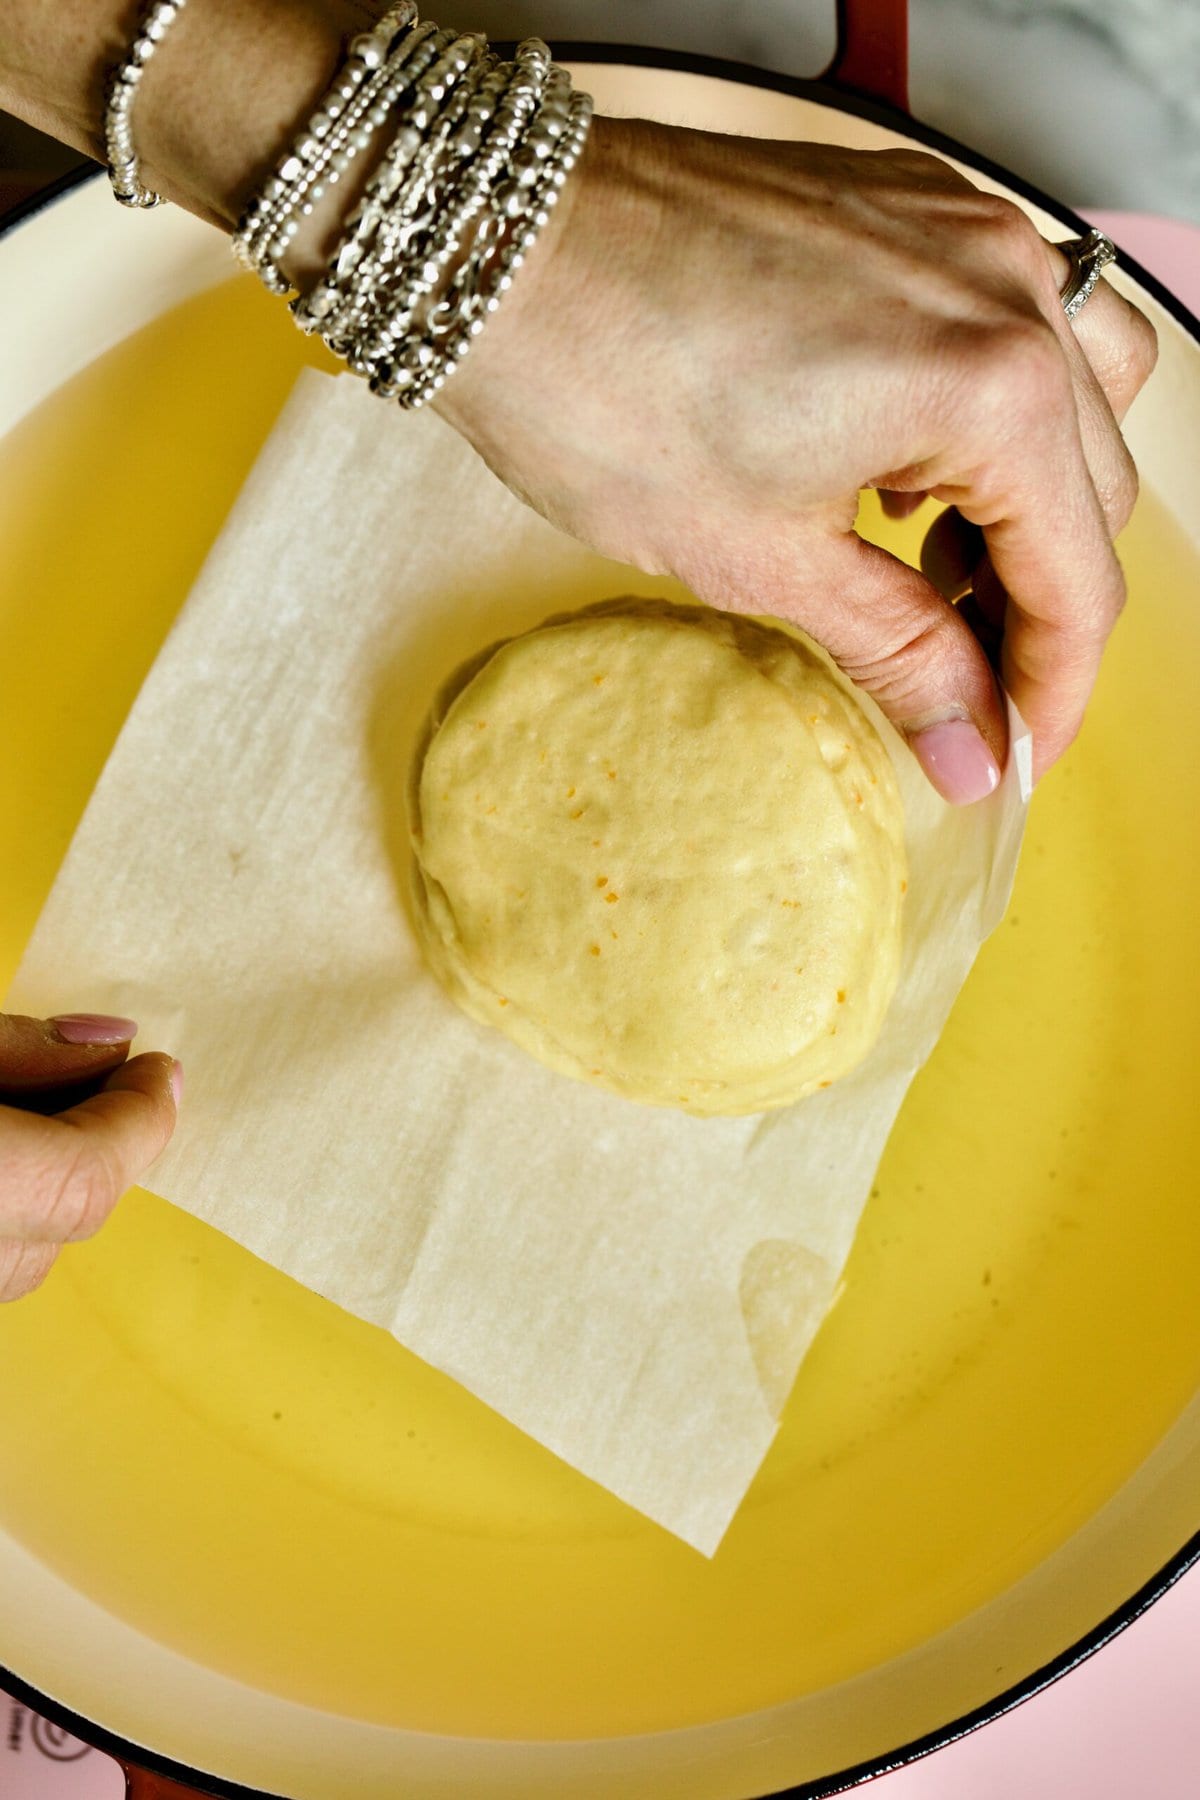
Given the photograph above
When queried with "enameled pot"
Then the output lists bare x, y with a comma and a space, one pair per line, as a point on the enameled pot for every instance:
249, 1547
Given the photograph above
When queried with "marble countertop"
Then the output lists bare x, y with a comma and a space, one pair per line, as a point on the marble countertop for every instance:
1095, 101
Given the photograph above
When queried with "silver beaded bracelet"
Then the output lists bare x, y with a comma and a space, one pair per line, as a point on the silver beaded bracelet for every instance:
419, 366
405, 240
405, 356
123, 171
377, 67
381, 226
460, 314
478, 157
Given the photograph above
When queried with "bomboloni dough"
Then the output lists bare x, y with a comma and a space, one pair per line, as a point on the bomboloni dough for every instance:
661, 848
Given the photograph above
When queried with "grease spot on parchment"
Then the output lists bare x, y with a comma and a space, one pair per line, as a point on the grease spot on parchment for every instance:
783, 1292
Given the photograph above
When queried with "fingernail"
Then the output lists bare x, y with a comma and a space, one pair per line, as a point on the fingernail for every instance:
957, 761
177, 1081
93, 1028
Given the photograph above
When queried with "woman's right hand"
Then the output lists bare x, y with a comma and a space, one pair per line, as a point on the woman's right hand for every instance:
720, 341
78, 1124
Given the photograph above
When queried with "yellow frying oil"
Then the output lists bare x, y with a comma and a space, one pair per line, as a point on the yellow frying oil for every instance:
282, 1492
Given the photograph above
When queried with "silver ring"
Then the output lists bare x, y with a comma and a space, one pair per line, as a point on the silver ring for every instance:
1087, 256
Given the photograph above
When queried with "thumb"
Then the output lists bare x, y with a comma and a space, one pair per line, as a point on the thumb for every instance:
38, 1054
894, 635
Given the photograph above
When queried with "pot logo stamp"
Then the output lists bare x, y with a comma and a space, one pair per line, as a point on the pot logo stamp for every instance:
25, 1730
56, 1743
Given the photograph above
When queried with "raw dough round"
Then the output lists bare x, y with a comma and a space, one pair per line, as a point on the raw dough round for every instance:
661, 847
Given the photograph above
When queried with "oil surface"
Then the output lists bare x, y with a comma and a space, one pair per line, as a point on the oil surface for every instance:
280, 1491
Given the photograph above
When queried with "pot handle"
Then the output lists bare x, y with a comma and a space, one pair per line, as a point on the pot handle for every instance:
144, 1784
872, 50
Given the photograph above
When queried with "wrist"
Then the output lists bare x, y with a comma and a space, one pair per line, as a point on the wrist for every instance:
224, 92
568, 293
212, 118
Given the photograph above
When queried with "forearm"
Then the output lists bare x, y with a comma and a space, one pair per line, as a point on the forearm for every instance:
221, 97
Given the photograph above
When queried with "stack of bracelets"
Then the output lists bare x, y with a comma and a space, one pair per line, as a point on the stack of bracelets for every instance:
477, 153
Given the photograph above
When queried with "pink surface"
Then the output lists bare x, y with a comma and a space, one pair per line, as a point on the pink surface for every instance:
40, 1762
1168, 248
1125, 1725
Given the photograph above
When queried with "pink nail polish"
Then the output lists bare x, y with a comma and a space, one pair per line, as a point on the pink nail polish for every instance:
93, 1028
957, 761
177, 1081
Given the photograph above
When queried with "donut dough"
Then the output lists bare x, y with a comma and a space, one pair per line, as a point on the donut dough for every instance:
661, 848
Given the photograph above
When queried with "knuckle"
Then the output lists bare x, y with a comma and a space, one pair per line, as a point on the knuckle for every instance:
23, 1268
910, 655
1118, 596
1141, 349
77, 1194
11, 1271
1007, 238
1066, 650
1076, 641
921, 163
1122, 494
1002, 217
1091, 620
1017, 369
1124, 358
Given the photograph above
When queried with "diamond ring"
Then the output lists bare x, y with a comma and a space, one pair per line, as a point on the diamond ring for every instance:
1087, 256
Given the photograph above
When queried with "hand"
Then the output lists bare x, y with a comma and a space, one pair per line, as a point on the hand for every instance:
78, 1125
719, 341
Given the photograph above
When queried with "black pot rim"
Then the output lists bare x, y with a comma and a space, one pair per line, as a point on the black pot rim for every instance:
842, 100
